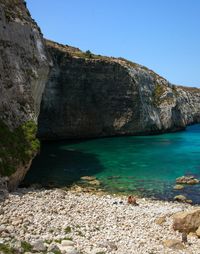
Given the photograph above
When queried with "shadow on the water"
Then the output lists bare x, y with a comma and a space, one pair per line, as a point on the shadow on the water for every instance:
58, 166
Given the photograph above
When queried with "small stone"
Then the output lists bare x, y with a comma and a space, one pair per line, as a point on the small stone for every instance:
88, 178
53, 248
173, 244
67, 243
97, 250
17, 222
39, 246
160, 220
178, 187
10, 228
189, 201
184, 237
2, 228
68, 249
95, 182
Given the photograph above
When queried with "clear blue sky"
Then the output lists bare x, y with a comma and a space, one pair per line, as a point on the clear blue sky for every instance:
163, 35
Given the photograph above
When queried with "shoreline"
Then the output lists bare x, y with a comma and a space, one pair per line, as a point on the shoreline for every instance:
94, 222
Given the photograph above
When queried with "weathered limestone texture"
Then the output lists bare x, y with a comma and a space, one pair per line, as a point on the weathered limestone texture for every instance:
95, 96
24, 67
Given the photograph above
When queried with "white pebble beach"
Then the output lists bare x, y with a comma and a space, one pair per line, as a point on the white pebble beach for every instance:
96, 223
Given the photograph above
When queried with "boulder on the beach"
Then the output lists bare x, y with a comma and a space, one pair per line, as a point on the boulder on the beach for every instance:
187, 221
178, 187
187, 180
174, 244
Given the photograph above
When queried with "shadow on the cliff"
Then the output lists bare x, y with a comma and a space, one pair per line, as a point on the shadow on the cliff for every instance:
59, 166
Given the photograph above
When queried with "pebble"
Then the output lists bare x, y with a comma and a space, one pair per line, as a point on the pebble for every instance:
87, 222
38, 246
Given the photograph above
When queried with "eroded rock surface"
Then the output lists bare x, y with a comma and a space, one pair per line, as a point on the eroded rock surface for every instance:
95, 96
24, 68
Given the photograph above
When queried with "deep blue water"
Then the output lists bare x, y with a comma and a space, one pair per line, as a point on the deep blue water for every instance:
146, 165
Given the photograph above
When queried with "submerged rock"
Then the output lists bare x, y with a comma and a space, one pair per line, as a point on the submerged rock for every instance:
187, 180
88, 178
178, 187
180, 198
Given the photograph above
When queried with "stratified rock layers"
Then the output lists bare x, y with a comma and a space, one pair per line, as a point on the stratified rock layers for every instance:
24, 70
94, 96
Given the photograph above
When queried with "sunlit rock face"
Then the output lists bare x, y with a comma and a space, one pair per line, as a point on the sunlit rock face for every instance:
24, 67
95, 96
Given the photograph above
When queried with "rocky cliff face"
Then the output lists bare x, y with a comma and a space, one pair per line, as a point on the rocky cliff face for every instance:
94, 96
85, 96
24, 69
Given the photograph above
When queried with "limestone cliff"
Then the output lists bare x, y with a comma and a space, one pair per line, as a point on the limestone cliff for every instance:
95, 96
24, 68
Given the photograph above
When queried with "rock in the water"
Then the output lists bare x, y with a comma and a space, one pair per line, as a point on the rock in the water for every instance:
174, 244
178, 187
39, 246
95, 182
187, 180
187, 221
180, 198
88, 178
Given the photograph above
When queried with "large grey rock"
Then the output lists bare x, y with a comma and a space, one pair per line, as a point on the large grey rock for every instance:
101, 96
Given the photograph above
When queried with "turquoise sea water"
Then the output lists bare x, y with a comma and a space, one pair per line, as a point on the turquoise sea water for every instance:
146, 165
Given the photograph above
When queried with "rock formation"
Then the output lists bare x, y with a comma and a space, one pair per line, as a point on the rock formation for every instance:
24, 68
86, 95
94, 96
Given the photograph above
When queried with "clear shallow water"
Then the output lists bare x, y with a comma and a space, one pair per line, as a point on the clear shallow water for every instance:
146, 165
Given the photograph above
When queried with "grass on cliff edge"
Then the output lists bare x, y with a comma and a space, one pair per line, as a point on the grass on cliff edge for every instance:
17, 147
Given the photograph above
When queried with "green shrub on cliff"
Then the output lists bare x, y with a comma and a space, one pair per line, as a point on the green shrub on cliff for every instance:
17, 147
157, 93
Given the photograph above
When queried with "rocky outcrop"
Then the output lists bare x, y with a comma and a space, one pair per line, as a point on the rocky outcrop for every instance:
86, 95
24, 68
95, 96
